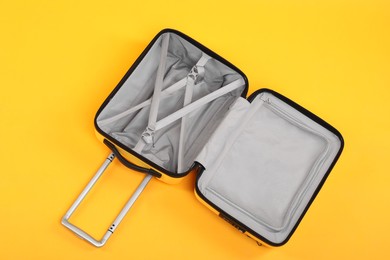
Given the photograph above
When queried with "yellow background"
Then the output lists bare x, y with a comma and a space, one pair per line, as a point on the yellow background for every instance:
60, 59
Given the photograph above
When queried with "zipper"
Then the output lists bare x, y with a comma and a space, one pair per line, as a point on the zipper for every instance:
318, 163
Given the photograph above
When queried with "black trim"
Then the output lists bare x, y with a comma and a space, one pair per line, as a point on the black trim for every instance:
128, 164
314, 118
130, 71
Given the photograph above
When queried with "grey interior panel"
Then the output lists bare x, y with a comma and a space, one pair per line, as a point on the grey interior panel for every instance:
263, 163
181, 58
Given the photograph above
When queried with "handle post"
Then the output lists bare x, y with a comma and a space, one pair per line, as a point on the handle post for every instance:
84, 235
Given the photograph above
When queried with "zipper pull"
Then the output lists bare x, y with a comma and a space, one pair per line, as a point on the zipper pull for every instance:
265, 99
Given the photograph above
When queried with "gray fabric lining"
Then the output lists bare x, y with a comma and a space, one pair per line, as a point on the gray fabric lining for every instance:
264, 162
201, 123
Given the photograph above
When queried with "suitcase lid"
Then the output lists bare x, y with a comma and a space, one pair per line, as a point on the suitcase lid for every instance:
265, 163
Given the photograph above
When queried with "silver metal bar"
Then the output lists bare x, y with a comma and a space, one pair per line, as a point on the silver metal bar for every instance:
90, 184
81, 233
130, 202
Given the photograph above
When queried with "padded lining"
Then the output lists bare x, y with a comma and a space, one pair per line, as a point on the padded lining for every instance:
263, 164
201, 123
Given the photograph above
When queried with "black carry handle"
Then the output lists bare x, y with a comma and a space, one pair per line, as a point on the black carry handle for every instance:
128, 164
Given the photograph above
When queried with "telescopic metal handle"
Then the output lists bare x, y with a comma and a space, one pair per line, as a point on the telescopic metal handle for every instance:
118, 219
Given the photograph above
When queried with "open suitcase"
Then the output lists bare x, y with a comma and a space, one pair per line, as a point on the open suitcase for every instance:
260, 160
